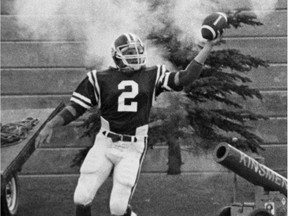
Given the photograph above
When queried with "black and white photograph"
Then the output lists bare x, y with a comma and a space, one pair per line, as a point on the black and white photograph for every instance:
143, 107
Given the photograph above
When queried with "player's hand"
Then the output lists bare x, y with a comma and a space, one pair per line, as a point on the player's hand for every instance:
210, 43
44, 135
214, 42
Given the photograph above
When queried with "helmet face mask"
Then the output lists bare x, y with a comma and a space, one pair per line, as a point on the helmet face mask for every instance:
128, 52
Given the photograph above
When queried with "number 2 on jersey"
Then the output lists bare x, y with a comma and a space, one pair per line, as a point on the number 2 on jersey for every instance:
132, 106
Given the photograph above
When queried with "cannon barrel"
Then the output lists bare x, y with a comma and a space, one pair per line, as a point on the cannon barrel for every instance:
249, 169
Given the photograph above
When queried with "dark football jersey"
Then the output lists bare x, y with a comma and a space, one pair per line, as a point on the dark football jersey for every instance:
124, 100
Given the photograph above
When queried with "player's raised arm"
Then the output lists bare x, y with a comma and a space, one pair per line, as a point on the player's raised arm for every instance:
212, 29
194, 69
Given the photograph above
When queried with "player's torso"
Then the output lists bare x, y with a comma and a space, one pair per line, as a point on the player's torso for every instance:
126, 99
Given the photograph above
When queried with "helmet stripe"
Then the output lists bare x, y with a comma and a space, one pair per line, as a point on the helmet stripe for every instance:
134, 38
137, 39
128, 37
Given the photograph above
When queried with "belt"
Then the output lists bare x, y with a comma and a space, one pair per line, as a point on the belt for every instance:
118, 137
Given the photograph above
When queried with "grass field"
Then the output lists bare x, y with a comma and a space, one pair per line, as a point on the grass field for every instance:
156, 195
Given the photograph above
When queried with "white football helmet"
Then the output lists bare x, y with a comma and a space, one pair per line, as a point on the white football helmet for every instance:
128, 52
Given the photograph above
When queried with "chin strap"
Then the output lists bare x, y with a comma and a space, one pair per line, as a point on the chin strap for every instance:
127, 70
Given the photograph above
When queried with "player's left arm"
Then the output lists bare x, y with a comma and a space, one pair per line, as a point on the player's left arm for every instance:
194, 69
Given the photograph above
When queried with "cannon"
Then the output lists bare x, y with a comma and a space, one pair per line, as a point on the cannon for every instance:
272, 183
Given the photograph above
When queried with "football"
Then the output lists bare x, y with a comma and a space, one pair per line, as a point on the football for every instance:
213, 25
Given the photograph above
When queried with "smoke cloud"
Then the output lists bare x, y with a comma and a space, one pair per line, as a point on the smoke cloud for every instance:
97, 23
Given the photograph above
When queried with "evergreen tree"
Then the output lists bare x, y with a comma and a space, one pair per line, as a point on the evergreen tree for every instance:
213, 108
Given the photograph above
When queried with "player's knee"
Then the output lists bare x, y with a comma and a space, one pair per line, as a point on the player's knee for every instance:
128, 174
82, 196
117, 207
126, 180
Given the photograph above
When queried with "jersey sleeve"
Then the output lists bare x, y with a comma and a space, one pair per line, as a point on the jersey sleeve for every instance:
84, 95
166, 80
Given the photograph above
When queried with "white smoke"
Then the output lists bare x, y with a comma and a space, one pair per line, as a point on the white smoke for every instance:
97, 23
189, 15
263, 8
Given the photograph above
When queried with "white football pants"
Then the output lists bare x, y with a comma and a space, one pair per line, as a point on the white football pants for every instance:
125, 157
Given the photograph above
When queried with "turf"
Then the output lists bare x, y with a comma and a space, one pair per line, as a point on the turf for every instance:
199, 194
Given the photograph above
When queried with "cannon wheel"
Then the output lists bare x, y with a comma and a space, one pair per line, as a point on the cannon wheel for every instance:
225, 211
9, 197
260, 212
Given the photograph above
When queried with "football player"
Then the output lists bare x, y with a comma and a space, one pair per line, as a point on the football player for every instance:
124, 94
